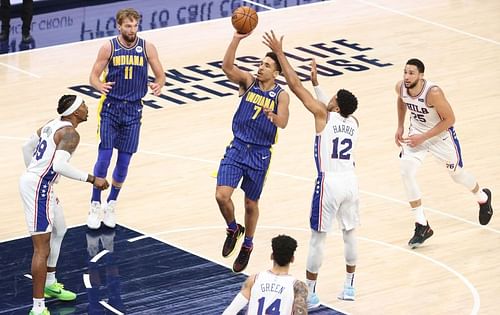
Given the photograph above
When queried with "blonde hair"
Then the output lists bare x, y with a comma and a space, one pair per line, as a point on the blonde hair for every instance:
129, 13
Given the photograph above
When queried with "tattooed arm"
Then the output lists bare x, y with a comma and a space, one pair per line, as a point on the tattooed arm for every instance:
300, 300
67, 140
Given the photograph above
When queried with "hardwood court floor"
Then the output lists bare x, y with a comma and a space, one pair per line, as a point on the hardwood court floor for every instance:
170, 191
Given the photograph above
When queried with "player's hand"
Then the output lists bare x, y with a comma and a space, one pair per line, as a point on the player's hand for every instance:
314, 73
271, 41
398, 136
106, 87
269, 114
241, 36
156, 88
414, 140
101, 183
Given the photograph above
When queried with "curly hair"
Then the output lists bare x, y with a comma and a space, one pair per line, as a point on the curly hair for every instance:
283, 249
348, 103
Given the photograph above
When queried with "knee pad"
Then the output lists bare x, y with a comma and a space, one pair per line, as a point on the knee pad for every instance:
464, 178
315, 256
102, 163
408, 169
350, 247
121, 168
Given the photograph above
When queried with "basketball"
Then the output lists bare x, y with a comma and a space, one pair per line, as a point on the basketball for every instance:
244, 19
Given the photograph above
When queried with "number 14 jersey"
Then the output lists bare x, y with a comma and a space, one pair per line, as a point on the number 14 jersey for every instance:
272, 294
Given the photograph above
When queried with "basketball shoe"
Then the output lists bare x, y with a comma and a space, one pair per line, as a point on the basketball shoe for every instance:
109, 218
485, 209
231, 239
44, 312
94, 220
422, 232
312, 300
56, 290
348, 294
241, 261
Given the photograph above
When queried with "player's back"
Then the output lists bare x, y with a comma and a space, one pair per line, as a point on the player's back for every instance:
128, 68
334, 146
43, 157
272, 294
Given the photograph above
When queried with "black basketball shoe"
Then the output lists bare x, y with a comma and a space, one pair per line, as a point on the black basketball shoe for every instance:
231, 239
241, 261
422, 232
485, 209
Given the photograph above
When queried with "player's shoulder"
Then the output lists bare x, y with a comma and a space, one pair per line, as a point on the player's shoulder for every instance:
398, 86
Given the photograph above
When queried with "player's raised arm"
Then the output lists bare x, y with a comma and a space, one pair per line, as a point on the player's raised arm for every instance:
233, 73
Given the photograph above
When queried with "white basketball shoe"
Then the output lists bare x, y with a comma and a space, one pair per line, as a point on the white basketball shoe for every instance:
94, 218
109, 214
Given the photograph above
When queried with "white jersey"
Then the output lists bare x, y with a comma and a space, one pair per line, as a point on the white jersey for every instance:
43, 157
333, 147
272, 294
423, 116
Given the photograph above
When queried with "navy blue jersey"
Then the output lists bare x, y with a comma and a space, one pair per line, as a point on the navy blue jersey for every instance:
128, 68
250, 124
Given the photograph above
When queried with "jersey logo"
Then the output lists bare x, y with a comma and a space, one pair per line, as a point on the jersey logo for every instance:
272, 94
118, 49
265, 157
138, 49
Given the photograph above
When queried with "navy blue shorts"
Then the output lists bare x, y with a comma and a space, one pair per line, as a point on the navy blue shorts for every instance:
247, 161
120, 125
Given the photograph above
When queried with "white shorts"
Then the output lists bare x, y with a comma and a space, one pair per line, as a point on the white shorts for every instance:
444, 147
40, 203
336, 195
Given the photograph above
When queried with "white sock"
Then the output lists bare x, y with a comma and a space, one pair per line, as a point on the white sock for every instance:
349, 279
51, 278
419, 215
311, 286
481, 196
38, 305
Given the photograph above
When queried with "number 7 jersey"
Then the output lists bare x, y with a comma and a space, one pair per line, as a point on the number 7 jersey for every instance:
334, 146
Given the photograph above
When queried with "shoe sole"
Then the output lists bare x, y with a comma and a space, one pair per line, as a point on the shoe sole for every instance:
235, 244
311, 306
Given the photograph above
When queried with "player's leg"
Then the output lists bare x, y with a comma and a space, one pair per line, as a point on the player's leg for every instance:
229, 175
410, 161
39, 215
448, 151
351, 255
53, 288
314, 262
108, 131
252, 185
5, 18
41, 249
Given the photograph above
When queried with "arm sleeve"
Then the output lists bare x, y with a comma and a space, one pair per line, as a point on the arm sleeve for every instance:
61, 165
29, 147
320, 95
236, 305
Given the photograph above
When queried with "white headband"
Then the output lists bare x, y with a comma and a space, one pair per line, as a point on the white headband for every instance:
78, 101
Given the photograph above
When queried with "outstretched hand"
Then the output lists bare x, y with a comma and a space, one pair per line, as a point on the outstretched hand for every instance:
240, 35
271, 41
314, 73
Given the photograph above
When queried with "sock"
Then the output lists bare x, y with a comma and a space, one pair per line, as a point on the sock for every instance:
419, 215
349, 279
96, 195
38, 305
481, 196
232, 225
311, 286
113, 193
51, 278
248, 241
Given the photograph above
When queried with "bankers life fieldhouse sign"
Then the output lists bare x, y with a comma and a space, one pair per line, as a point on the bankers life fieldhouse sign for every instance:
201, 82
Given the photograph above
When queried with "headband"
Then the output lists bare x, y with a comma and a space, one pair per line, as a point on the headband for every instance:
78, 101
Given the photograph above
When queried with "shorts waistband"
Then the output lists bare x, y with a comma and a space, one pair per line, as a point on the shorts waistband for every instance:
250, 145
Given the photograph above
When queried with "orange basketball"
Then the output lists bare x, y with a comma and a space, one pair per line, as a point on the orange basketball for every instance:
244, 19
